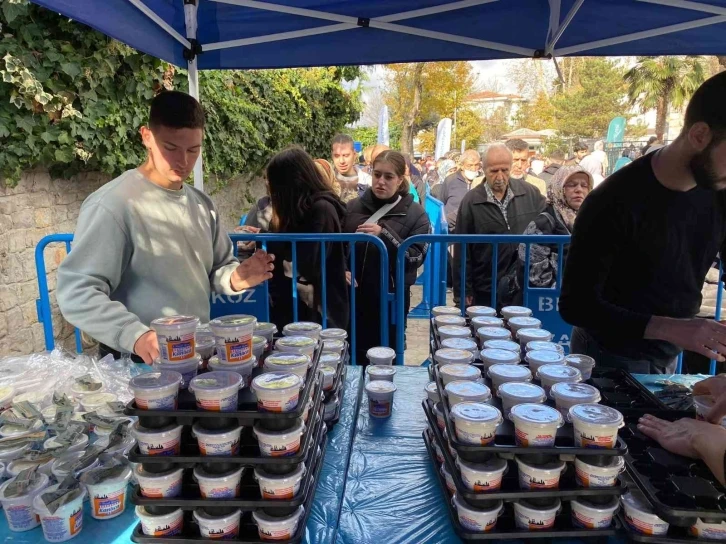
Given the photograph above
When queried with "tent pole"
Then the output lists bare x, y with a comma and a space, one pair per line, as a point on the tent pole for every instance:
143, 8
686, 4
560, 30
190, 19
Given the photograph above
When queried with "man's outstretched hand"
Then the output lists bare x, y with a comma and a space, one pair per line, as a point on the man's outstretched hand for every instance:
147, 347
253, 271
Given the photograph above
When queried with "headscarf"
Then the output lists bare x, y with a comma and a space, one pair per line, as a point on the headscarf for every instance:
593, 166
556, 193
444, 168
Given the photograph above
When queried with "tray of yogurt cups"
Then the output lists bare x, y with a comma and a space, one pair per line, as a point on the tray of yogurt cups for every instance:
210, 524
333, 403
527, 517
244, 487
227, 444
526, 475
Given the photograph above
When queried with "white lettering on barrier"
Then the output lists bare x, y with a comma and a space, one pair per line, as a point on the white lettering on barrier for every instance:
245, 296
546, 304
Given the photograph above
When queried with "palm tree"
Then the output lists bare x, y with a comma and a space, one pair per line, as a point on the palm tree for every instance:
660, 82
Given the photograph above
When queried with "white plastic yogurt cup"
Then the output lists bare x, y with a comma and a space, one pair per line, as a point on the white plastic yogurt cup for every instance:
475, 422
640, 516
536, 359
380, 398
334, 334
477, 323
525, 336
219, 486
540, 345
19, 509
233, 336
273, 528
333, 345
583, 363
447, 319
330, 359
259, 346
18, 465
163, 525
107, 498
482, 477
539, 475
98, 402
266, 330
330, 407
535, 425
507, 345
280, 486
439, 413
380, 372
465, 344
295, 363
499, 374
480, 311
493, 356
595, 426
708, 531
159, 485
9, 454
217, 391
548, 375
603, 474
450, 373
79, 444
244, 369
165, 441
224, 527
449, 356
514, 393
534, 517
279, 443
380, 356
493, 333
517, 323
277, 391
220, 442
188, 369
67, 521
467, 391
69, 463
453, 331
205, 346
589, 515
449, 479
566, 395
303, 345
303, 328
445, 310
156, 390
328, 373
176, 336
432, 392
477, 520
702, 403
10, 430
508, 312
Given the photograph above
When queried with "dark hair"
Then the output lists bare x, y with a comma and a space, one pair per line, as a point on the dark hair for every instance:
343, 139
557, 155
652, 139
293, 181
398, 161
707, 106
174, 109
517, 145
579, 146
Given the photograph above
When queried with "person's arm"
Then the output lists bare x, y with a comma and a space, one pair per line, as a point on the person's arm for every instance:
102, 249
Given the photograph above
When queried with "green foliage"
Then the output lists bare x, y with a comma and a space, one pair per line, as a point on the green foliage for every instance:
72, 99
369, 135
557, 143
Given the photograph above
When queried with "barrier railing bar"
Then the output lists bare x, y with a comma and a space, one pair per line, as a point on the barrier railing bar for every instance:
294, 281
560, 264
352, 305
719, 301
324, 297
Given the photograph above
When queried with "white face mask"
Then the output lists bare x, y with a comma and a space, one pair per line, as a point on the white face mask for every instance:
470, 174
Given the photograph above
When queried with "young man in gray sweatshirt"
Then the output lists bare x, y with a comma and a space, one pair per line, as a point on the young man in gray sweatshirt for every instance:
148, 245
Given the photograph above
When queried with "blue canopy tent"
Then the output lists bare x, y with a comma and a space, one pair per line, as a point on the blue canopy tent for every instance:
238, 34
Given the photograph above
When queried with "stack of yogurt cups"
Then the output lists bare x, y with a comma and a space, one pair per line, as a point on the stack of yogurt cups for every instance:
380, 388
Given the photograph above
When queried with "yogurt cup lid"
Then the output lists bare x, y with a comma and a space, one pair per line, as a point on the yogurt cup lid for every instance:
139, 471
296, 342
295, 430
467, 389
197, 428
241, 366
431, 387
39, 481
137, 427
233, 321
380, 386
545, 357
333, 344
494, 333
295, 474
466, 507
277, 381
493, 464
576, 392
300, 326
537, 414
176, 320
580, 360
541, 345
259, 340
199, 472
449, 354
546, 465
455, 330
502, 344
499, 356
330, 357
449, 318
519, 390
381, 353
334, 333
559, 372
287, 359
284, 520
606, 507
510, 371
459, 343
265, 327
487, 321
516, 311
328, 371
525, 322
481, 311
446, 310
155, 380
530, 334
218, 379
202, 515
476, 412
204, 341
383, 370
596, 414
126, 474
460, 371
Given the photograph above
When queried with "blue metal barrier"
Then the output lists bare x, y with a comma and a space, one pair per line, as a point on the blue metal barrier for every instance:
45, 315
430, 277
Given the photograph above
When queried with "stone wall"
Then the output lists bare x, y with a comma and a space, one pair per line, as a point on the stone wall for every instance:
40, 205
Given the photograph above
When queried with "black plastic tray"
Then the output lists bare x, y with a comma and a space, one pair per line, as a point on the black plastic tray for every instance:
250, 497
675, 535
510, 490
507, 530
340, 391
248, 530
246, 414
249, 453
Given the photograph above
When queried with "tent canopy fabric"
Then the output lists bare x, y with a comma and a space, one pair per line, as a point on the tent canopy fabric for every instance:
242, 34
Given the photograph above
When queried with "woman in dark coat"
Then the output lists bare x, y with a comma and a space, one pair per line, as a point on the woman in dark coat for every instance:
402, 219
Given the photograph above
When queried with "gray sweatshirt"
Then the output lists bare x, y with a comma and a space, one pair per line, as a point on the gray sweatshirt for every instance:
142, 252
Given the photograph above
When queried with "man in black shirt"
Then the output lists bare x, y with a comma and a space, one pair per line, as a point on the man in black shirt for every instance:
642, 244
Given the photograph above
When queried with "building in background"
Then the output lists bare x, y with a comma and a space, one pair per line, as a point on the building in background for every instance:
485, 103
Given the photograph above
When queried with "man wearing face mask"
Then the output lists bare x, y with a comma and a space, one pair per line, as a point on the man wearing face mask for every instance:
642, 245
458, 184
500, 205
